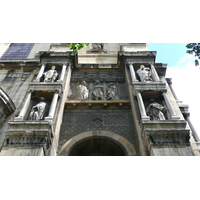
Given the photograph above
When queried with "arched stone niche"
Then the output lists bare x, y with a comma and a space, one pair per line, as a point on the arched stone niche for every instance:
120, 143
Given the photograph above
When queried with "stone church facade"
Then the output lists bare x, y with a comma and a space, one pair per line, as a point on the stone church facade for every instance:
106, 100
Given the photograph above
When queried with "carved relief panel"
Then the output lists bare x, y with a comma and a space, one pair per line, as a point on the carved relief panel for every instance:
97, 86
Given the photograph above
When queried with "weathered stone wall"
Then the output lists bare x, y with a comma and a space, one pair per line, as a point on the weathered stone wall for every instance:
15, 82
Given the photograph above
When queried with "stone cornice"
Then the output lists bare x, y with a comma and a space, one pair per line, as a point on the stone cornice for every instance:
17, 63
137, 53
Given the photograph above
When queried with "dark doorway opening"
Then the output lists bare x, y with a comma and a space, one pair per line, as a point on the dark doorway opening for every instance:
97, 146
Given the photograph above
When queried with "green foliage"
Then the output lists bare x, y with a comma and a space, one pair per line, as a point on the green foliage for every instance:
194, 48
77, 46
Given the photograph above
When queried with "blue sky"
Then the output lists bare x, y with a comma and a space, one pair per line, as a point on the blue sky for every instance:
168, 53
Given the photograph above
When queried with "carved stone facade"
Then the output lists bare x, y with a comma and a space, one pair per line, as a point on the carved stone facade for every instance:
107, 99
76, 122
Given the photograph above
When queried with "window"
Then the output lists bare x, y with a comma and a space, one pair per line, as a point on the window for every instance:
18, 51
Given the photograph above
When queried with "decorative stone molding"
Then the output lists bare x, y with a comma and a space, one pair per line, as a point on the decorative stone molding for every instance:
29, 139
157, 86
51, 57
101, 76
42, 86
30, 133
165, 132
136, 57
24, 126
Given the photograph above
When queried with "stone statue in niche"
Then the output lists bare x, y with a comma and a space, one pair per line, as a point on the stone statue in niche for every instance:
82, 91
155, 111
98, 91
144, 74
112, 92
50, 75
97, 45
37, 111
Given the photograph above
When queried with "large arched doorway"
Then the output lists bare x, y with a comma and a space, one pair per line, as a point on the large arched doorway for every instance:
97, 146
97, 143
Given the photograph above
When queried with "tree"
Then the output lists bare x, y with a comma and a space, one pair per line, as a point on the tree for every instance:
77, 46
194, 48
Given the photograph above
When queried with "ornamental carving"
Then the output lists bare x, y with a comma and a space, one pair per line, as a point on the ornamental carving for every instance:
167, 137
97, 86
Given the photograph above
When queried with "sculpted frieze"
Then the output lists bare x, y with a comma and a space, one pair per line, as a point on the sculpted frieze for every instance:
97, 90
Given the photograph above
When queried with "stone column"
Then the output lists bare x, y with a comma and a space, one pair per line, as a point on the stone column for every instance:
169, 106
53, 106
169, 81
24, 108
141, 106
64, 67
40, 73
132, 72
154, 74
194, 133
68, 78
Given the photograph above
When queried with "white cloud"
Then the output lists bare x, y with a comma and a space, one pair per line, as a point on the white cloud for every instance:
186, 82
185, 60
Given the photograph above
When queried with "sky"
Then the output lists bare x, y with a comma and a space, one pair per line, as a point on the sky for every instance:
185, 75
